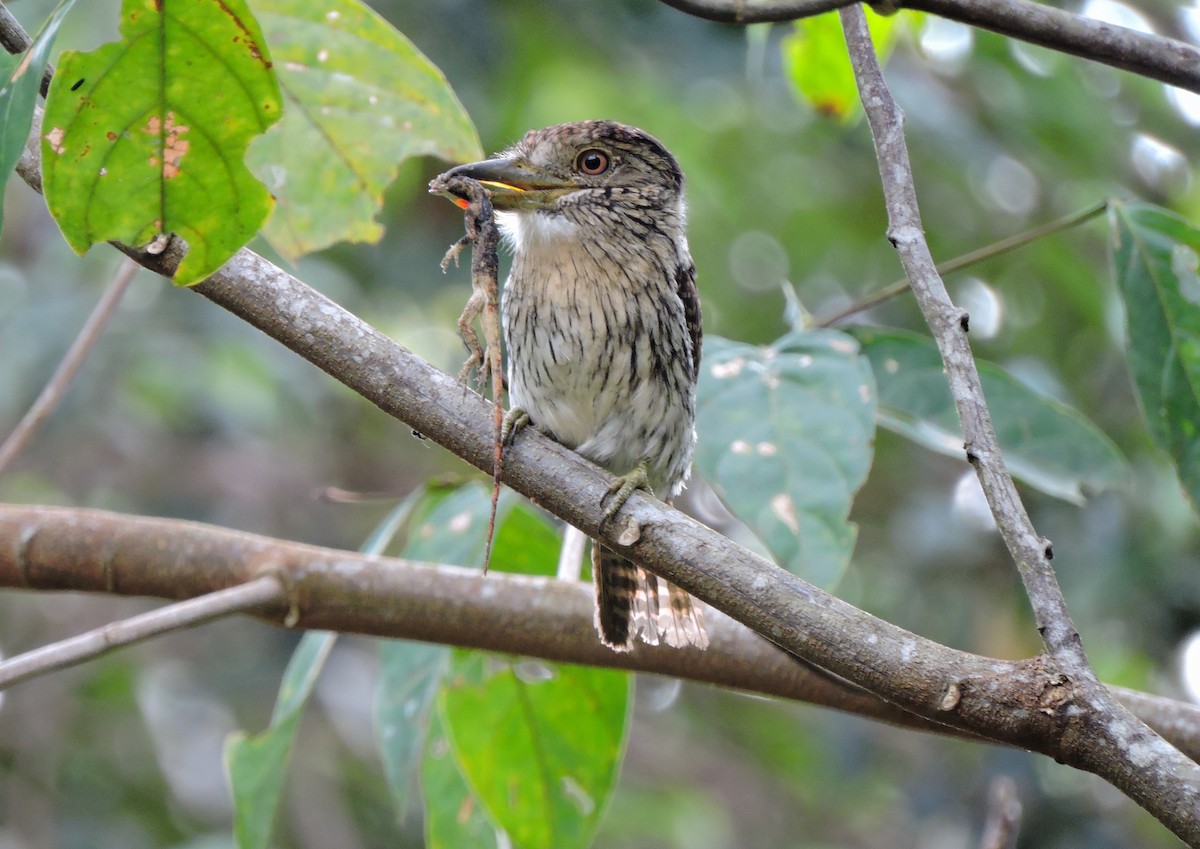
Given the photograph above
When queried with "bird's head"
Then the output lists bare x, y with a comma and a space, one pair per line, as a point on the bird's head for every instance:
578, 166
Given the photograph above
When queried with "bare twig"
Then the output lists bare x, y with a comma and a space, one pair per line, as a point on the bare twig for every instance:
1116, 740
570, 555
136, 629
964, 260
54, 390
1003, 816
1164, 59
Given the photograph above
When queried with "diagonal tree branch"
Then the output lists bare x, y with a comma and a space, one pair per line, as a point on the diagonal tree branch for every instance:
1117, 747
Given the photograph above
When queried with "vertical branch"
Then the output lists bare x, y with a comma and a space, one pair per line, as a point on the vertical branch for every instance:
1098, 734
949, 325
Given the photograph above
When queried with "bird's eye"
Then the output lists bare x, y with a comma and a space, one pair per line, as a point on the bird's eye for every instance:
592, 162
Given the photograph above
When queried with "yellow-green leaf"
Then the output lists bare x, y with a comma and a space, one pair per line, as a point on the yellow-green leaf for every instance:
146, 136
360, 99
814, 55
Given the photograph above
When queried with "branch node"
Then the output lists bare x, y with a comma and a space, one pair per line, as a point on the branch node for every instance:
964, 321
951, 697
631, 533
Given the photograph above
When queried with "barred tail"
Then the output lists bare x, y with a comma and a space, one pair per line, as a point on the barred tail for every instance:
628, 605
616, 585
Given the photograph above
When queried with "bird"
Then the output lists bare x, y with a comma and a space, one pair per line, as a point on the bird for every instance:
602, 328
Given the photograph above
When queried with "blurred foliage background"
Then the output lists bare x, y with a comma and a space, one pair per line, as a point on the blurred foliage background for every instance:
184, 411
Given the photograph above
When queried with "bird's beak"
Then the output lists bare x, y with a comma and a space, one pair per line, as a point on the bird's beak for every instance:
512, 184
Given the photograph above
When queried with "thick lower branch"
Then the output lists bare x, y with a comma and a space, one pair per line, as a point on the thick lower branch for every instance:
54, 548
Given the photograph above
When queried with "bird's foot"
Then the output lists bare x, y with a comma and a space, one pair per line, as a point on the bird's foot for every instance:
621, 489
514, 420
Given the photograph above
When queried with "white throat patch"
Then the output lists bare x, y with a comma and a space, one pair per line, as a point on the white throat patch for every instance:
535, 231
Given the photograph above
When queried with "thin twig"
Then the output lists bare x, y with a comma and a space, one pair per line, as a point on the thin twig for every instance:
1164, 59
1003, 817
987, 252
1118, 747
58, 384
570, 554
136, 629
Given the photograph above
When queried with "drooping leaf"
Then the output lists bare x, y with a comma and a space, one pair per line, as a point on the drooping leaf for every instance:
1046, 444
410, 675
22, 75
454, 817
816, 63
360, 99
447, 529
539, 743
257, 764
1155, 255
518, 729
786, 439
147, 136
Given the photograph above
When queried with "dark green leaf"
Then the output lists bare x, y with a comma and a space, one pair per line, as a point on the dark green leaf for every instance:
786, 439
147, 136
1046, 444
539, 743
360, 100
410, 675
1155, 254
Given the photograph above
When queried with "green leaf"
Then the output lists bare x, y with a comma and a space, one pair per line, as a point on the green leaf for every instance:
446, 529
786, 439
360, 99
539, 743
1155, 255
146, 136
454, 817
257, 764
450, 530
1046, 444
22, 73
816, 63
454, 531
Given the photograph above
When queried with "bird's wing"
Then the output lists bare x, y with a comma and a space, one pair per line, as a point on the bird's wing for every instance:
685, 286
